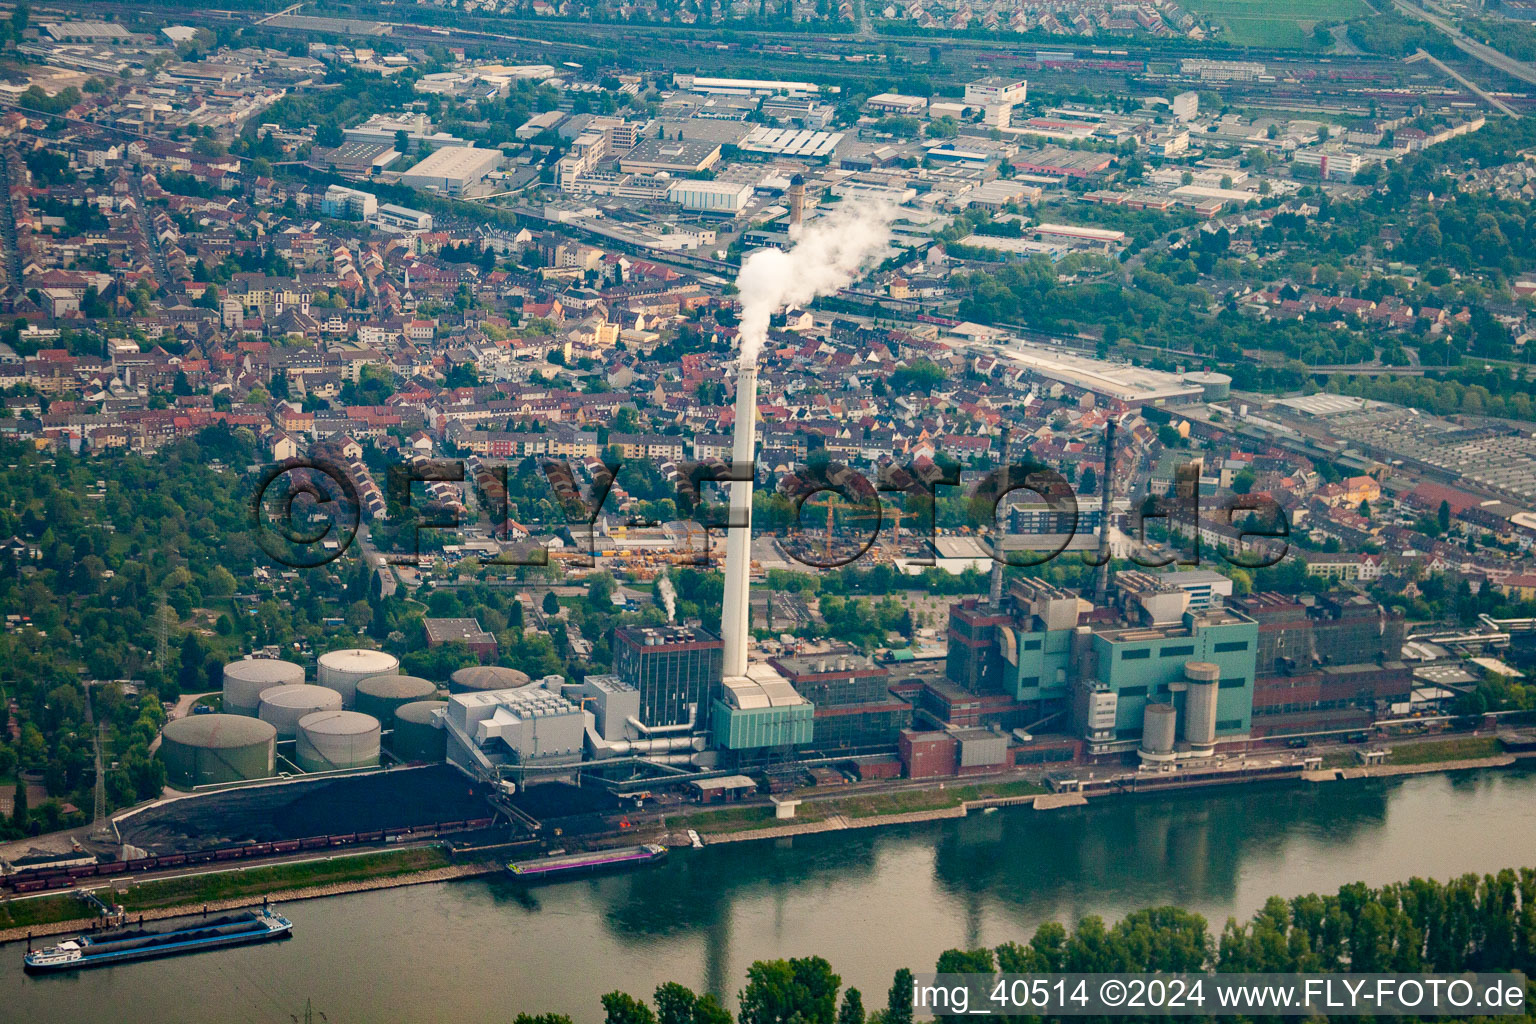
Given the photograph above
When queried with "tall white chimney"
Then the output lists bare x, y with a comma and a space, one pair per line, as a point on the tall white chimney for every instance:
738, 539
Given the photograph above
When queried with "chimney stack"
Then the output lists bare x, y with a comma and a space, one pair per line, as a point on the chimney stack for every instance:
1106, 485
738, 534
796, 201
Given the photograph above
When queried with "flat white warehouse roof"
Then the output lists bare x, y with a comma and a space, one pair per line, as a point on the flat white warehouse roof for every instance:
456, 162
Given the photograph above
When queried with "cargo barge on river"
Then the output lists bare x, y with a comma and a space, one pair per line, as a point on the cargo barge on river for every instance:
565, 865
126, 944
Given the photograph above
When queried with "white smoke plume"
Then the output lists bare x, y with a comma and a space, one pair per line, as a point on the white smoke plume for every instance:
831, 253
668, 596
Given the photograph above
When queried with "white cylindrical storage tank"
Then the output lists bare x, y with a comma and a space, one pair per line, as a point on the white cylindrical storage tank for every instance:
1157, 729
245, 680
343, 670
328, 740
1214, 387
1200, 704
284, 706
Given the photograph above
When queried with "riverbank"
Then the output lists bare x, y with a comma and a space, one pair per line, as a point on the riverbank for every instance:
156, 899
737, 829
867, 899
66, 913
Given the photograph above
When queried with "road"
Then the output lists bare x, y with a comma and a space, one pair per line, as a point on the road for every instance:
865, 32
1487, 54
162, 269
12, 255
1485, 96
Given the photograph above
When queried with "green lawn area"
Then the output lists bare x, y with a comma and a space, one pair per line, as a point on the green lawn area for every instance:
741, 819
931, 799
211, 700
258, 881
43, 910
730, 819
1463, 748
1273, 22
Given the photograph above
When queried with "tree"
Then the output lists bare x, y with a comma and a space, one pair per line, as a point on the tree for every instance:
920, 376
675, 1003
551, 603
329, 136
1090, 481
621, 1008
798, 991
898, 1002
600, 592
402, 141
709, 1011
19, 807
1443, 517
1243, 482
852, 1010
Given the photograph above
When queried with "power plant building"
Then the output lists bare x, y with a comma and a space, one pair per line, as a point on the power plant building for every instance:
760, 711
1331, 661
676, 669
1142, 664
852, 700
527, 726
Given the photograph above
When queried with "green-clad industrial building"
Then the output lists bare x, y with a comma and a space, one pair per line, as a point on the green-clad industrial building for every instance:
1138, 665
761, 714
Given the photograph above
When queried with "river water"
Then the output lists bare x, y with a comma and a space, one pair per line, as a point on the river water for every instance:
868, 900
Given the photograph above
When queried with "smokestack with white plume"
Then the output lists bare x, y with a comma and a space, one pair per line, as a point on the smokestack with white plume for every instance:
829, 254
668, 596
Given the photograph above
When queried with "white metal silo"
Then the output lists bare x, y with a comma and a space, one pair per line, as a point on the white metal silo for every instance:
1158, 730
328, 740
1204, 679
244, 681
284, 706
343, 670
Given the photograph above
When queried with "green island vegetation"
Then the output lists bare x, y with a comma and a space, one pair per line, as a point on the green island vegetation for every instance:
1471, 923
